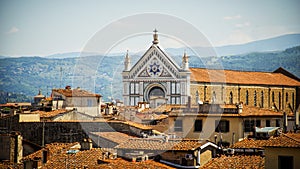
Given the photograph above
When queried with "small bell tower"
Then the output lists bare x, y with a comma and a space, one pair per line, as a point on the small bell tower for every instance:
185, 61
155, 37
127, 62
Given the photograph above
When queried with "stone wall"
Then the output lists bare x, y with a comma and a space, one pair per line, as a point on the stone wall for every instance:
62, 131
284, 97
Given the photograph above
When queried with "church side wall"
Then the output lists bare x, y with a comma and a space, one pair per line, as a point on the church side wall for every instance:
283, 97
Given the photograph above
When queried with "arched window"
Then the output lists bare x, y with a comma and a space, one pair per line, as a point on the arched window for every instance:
247, 97
293, 100
230, 98
214, 97
273, 97
197, 96
279, 100
286, 97
254, 99
262, 99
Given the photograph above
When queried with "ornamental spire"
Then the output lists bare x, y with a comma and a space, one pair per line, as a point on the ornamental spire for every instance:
185, 61
127, 62
155, 37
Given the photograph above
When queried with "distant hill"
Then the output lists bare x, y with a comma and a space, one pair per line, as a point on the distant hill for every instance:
26, 75
267, 45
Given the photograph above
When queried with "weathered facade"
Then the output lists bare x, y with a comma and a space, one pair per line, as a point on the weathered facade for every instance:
81, 100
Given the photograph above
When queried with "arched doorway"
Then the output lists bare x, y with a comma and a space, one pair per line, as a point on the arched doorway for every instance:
156, 92
156, 96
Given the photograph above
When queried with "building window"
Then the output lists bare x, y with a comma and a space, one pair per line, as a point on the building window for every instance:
198, 126
268, 123
89, 102
134, 100
285, 162
214, 97
175, 88
254, 98
178, 125
286, 97
273, 97
277, 122
257, 123
293, 101
175, 99
262, 99
249, 125
230, 98
247, 97
197, 96
134, 88
222, 126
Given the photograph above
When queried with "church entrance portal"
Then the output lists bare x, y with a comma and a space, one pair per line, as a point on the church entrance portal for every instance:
156, 96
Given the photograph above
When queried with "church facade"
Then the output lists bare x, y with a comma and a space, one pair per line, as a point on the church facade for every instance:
157, 79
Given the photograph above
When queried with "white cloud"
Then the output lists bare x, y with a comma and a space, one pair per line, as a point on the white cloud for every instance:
13, 30
232, 17
236, 37
241, 25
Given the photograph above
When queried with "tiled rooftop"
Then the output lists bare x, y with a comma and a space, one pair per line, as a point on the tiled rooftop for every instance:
285, 140
52, 113
241, 77
53, 148
75, 93
256, 111
116, 137
242, 162
151, 116
59, 159
160, 144
249, 143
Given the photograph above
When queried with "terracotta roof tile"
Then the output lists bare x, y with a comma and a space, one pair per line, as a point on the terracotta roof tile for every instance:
59, 159
116, 137
284, 140
75, 93
256, 111
244, 162
53, 148
160, 144
249, 143
52, 113
241, 77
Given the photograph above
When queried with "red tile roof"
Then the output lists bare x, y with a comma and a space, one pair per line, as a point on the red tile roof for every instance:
249, 143
242, 162
116, 137
285, 140
52, 113
59, 159
241, 77
256, 111
75, 93
160, 144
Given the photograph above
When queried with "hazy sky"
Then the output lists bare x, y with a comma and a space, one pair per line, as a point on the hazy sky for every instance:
47, 27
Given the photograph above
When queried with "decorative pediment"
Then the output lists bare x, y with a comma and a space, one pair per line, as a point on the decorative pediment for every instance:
156, 64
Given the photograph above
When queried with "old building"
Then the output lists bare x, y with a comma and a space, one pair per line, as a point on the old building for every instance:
283, 151
81, 100
11, 147
223, 123
186, 153
157, 79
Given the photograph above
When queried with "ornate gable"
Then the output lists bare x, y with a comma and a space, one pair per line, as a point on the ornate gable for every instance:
155, 64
